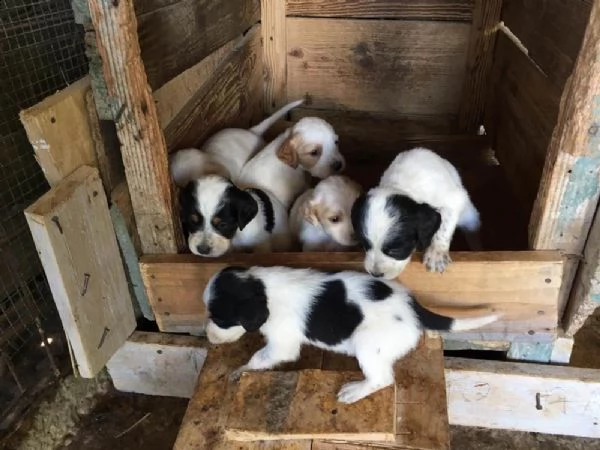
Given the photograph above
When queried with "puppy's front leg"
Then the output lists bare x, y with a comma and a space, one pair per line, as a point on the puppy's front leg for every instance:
266, 358
437, 255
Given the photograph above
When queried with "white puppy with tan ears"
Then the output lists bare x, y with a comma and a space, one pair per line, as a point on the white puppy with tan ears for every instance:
320, 218
418, 205
225, 153
284, 166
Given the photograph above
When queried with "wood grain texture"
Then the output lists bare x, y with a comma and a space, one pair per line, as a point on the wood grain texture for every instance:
521, 114
552, 33
60, 132
522, 285
274, 37
454, 10
76, 242
479, 64
302, 405
528, 397
568, 194
223, 101
142, 143
175, 35
399, 67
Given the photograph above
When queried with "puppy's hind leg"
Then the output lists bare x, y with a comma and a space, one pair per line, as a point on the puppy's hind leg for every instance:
470, 224
378, 371
268, 357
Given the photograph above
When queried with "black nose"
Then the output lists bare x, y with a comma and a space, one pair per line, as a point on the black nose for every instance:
376, 274
203, 249
336, 166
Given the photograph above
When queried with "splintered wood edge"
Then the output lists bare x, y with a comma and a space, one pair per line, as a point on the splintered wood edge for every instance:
232, 434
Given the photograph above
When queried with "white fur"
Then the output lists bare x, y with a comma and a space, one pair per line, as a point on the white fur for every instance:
310, 217
426, 178
389, 329
268, 172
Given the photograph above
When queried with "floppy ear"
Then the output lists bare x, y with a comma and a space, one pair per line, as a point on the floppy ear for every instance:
245, 207
309, 211
428, 222
357, 214
288, 152
252, 307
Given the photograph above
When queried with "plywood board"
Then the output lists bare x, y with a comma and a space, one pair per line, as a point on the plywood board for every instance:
522, 285
75, 239
59, 131
303, 405
401, 67
158, 364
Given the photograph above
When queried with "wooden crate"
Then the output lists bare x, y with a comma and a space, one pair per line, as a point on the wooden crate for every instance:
171, 73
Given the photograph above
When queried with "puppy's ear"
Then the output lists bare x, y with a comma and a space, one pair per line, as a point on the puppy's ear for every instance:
357, 214
309, 211
252, 307
428, 222
288, 152
245, 206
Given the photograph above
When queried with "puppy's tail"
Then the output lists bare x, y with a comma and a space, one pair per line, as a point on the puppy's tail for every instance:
262, 127
437, 322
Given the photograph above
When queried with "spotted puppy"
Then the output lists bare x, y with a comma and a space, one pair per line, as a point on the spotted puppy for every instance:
376, 321
418, 204
320, 217
218, 217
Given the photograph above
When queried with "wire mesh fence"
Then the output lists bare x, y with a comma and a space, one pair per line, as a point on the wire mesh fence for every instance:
41, 51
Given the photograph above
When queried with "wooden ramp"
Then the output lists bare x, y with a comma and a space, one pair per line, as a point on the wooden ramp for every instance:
216, 406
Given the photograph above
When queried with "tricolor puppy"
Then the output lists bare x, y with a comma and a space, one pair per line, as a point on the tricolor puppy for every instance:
320, 218
353, 313
225, 153
218, 217
419, 203
284, 166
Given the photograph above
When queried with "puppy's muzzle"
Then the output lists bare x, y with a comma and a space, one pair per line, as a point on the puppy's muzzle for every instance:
375, 273
337, 166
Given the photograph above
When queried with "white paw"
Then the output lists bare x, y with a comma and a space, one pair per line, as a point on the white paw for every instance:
352, 392
436, 260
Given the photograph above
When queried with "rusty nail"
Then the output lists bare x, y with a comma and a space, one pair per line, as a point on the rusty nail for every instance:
103, 337
86, 280
538, 401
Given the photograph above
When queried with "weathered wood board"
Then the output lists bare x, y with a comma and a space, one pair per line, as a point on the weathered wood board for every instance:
522, 285
302, 405
273, 22
75, 239
59, 130
400, 67
158, 364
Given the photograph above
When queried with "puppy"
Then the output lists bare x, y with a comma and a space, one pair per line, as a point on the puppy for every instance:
376, 321
320, 217
225, 153
284, 166
419, 203
218, 217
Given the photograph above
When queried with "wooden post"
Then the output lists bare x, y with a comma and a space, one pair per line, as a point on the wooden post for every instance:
142, 142
275, 48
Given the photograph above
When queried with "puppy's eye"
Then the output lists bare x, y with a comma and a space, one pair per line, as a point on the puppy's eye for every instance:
195, 218
335, 219
314, 152
216, 221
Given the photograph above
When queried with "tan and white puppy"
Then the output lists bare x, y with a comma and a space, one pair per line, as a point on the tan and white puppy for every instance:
284, 166
225, 153
321, 217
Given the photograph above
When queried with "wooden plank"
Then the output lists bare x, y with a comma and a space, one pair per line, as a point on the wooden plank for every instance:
59, 131
455, 10
527, 397
158, 364
552, 34
399, 67
275, 48
521, 114
279, 406
217, 104
142, 143
76, 242
171, 97
175, 35
479, 64
568, 194
522, 285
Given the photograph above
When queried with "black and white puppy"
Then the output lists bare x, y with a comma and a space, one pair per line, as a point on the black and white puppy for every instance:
418, 204
376, 321
217, 216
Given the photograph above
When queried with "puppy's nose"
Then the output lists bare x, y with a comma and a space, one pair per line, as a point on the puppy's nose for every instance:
203, 249
337, 165
376, 274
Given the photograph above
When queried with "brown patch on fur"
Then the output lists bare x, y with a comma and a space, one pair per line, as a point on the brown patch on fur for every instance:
215, 168
288, 153
310, 214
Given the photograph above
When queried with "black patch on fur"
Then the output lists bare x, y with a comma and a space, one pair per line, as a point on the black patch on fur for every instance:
238, 299
430, 320
358, 217
267, 209
187, 209
398, 318
234, 212
378, 290
332, 319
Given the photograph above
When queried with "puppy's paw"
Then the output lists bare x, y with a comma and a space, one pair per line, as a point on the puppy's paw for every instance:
353, 392
436, 260
234, 376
